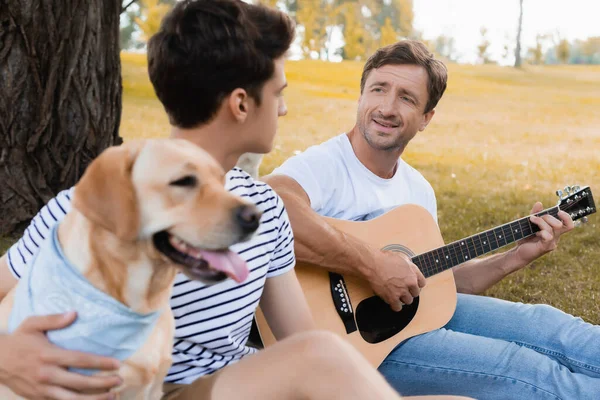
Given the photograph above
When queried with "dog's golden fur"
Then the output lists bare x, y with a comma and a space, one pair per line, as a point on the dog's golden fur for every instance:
125, 197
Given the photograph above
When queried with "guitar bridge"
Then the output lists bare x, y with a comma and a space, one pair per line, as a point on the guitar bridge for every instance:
341, 301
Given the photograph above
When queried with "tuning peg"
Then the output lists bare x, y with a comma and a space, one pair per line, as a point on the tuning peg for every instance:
559, 193
576, 188
568, 190
580, 222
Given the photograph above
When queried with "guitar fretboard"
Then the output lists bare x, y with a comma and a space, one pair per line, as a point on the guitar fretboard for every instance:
453, 254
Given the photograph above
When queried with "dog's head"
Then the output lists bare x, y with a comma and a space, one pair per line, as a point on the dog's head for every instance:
168, 196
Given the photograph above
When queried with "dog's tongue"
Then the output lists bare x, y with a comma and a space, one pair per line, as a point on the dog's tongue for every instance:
228, 263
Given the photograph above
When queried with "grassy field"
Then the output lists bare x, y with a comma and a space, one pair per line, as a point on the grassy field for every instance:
501, 139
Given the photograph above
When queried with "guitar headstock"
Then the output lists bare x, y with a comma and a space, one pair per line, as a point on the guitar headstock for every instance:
577, 201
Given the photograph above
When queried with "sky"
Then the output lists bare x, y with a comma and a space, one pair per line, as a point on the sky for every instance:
462, 19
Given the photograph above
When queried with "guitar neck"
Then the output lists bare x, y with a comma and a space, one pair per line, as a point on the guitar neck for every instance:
453, 254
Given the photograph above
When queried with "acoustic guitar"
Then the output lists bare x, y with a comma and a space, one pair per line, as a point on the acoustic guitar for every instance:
347, 305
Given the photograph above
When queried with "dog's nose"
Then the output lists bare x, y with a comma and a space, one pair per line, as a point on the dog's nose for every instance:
248, 218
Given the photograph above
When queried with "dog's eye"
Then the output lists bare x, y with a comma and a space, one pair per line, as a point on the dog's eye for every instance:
186, 181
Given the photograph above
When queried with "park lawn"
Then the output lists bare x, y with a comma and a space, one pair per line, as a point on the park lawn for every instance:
501, 139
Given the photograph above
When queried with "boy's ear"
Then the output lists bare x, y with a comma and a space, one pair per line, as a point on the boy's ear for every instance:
238, 103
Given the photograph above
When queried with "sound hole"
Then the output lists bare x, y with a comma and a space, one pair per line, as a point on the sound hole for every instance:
377, 322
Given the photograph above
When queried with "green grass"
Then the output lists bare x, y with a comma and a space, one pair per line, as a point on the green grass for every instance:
501, 139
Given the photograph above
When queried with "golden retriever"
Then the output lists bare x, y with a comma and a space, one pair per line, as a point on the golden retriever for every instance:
141, 212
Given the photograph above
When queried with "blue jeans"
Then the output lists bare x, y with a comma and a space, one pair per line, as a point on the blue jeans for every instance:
495, 349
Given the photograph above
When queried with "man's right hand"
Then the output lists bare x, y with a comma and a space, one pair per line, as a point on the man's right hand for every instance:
34, 368
395, 279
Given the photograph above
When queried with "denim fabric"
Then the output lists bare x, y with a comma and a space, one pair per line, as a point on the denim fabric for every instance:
495, 349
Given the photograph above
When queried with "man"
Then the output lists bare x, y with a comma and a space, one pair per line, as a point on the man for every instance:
217, 66
491, 348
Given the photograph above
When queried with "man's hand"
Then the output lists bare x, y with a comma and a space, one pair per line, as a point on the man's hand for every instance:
34, 368
395, 279
546, 239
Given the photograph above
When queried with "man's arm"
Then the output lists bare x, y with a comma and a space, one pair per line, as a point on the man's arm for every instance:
7, 280
395, 279
476, 276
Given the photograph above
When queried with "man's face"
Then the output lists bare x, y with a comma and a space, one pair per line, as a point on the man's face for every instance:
391, 107
263, 124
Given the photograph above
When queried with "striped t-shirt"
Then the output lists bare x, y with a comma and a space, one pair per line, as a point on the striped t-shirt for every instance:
212, 323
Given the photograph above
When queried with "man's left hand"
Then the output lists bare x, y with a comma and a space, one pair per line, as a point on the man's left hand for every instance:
547, 238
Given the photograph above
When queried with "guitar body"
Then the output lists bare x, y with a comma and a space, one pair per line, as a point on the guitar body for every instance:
369, 324
409, 229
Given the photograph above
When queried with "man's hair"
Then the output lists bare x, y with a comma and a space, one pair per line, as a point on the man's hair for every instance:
205, 49
411, 52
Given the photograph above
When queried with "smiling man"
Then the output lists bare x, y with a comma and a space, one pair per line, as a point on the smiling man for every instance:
490, 349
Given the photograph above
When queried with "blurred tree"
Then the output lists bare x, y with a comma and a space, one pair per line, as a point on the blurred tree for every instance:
400, 13
418, 35
269, 3
563, 51
152, 12
388, 33
536, 54
128, 27
591, 49
60, 98
318, 17
355, 33
407, 16
444, 46
507, 50
482, 48
518, 60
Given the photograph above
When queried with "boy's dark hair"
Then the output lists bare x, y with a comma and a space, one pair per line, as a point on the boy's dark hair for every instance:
411, 52
205, 49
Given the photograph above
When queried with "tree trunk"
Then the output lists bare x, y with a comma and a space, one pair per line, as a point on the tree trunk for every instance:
518, 48
60, 98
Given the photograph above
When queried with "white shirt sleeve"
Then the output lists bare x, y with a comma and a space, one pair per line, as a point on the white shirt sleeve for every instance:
283, 257
313, 171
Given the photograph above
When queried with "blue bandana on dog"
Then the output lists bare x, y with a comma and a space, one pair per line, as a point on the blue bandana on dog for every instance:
104, 326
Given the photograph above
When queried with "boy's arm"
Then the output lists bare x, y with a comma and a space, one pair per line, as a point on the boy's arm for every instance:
7, 280
285, 307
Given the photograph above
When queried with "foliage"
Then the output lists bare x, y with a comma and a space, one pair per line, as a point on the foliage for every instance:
356, 37
444, 46
269, 3
362, 23
536, 53
482, 48
153, 12
563, 51
388, 33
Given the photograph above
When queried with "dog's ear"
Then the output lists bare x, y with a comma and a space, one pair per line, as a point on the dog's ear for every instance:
105, 193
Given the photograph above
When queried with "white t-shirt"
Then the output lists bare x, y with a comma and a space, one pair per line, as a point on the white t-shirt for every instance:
340, 186
212, 323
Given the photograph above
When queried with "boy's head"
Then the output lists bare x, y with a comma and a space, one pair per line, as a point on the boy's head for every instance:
211, 54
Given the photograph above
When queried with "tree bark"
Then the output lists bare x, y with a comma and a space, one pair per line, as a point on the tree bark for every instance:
519, 29
60, 98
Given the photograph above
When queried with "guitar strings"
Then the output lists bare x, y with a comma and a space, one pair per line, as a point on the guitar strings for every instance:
430, 260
